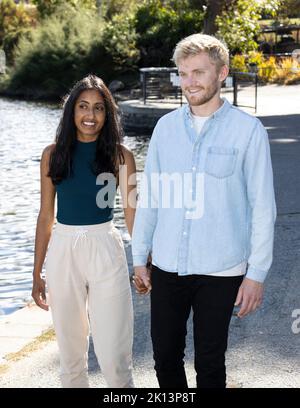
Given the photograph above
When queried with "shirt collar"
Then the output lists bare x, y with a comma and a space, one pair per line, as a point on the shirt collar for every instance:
218, 114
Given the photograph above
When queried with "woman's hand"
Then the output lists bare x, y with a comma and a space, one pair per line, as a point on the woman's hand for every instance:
39, 293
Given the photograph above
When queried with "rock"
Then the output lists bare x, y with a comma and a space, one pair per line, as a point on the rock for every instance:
116, 86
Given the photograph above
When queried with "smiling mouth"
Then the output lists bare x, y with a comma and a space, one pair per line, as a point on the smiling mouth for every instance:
89, 124
193, 91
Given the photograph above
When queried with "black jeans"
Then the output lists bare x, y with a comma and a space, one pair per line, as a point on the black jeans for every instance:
212, 300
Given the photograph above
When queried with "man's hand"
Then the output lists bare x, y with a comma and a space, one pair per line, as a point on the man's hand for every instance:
250, 295
39, 293
142, 279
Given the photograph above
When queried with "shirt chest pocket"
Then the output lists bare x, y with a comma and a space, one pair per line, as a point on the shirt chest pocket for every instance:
221, 161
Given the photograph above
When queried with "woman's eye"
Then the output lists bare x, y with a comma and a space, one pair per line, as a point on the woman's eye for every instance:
82, 106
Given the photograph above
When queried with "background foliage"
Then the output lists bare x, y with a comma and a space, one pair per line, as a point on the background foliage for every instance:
50, 44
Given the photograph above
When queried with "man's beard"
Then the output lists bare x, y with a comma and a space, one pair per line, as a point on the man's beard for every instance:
204, 98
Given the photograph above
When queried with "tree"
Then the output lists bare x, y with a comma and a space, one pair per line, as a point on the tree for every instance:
213, 9
238, 22
235, 20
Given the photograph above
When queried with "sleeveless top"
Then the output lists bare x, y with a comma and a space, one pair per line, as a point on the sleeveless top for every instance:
78, 196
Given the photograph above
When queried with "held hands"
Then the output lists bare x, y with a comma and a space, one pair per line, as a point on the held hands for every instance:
250, 296
142, 279
39, 292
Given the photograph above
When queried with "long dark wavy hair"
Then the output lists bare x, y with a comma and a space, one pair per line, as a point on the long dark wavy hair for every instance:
108, 147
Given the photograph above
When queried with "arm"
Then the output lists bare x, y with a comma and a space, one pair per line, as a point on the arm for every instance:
44, 226
260, 192
145, 219
127, 181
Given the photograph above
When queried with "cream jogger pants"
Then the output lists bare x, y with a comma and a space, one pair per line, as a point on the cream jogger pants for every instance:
89, 289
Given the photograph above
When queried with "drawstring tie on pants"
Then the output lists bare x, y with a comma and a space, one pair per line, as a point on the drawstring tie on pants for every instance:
80, 233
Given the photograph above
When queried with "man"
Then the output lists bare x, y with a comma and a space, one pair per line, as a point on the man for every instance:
214, 251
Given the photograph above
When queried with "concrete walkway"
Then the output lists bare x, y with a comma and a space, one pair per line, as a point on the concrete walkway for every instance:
21, 328
263, 349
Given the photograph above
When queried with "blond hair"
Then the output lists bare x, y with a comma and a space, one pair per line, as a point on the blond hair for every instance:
196, 43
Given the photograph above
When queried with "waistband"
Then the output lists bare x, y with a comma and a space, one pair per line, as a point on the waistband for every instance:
93, 229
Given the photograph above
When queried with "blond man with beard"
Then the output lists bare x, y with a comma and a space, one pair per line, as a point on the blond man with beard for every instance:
211, 260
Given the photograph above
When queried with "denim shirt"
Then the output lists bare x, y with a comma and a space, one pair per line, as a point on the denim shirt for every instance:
230, 179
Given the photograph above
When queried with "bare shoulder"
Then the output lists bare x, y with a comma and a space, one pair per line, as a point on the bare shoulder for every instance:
45, 159
47, 151
126, 152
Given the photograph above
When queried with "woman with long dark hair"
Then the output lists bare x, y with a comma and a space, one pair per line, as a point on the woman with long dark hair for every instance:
86, 269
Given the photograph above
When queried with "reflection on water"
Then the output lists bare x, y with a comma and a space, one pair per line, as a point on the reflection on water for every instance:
25, 129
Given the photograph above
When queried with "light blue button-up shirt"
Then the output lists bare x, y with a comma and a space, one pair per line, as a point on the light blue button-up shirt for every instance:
226, 174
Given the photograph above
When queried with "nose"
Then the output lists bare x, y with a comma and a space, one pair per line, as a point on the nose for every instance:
90, 113
189, 80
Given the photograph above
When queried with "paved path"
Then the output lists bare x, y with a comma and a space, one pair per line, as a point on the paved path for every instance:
263, 350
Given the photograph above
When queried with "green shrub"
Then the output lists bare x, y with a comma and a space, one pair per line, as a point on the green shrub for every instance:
46, 8
255, 57
16, 20
287, 71
110, 8
119, 41
54, 56
4, 81
160, 27
238, 63
267, 69
66, 47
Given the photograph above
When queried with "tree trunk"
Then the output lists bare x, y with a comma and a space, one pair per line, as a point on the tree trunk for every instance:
214, 8
99, 7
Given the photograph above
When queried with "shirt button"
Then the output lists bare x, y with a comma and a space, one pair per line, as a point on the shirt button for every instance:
187, 213
184, 233
194, 168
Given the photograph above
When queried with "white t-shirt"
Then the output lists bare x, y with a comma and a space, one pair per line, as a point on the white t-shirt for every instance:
198, 122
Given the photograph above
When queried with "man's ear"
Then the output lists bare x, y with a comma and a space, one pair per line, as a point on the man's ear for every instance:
224, 71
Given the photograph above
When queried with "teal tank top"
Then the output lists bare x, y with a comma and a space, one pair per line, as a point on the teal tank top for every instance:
76, 195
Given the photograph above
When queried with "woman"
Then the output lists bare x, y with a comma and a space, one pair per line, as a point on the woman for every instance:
86, 268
